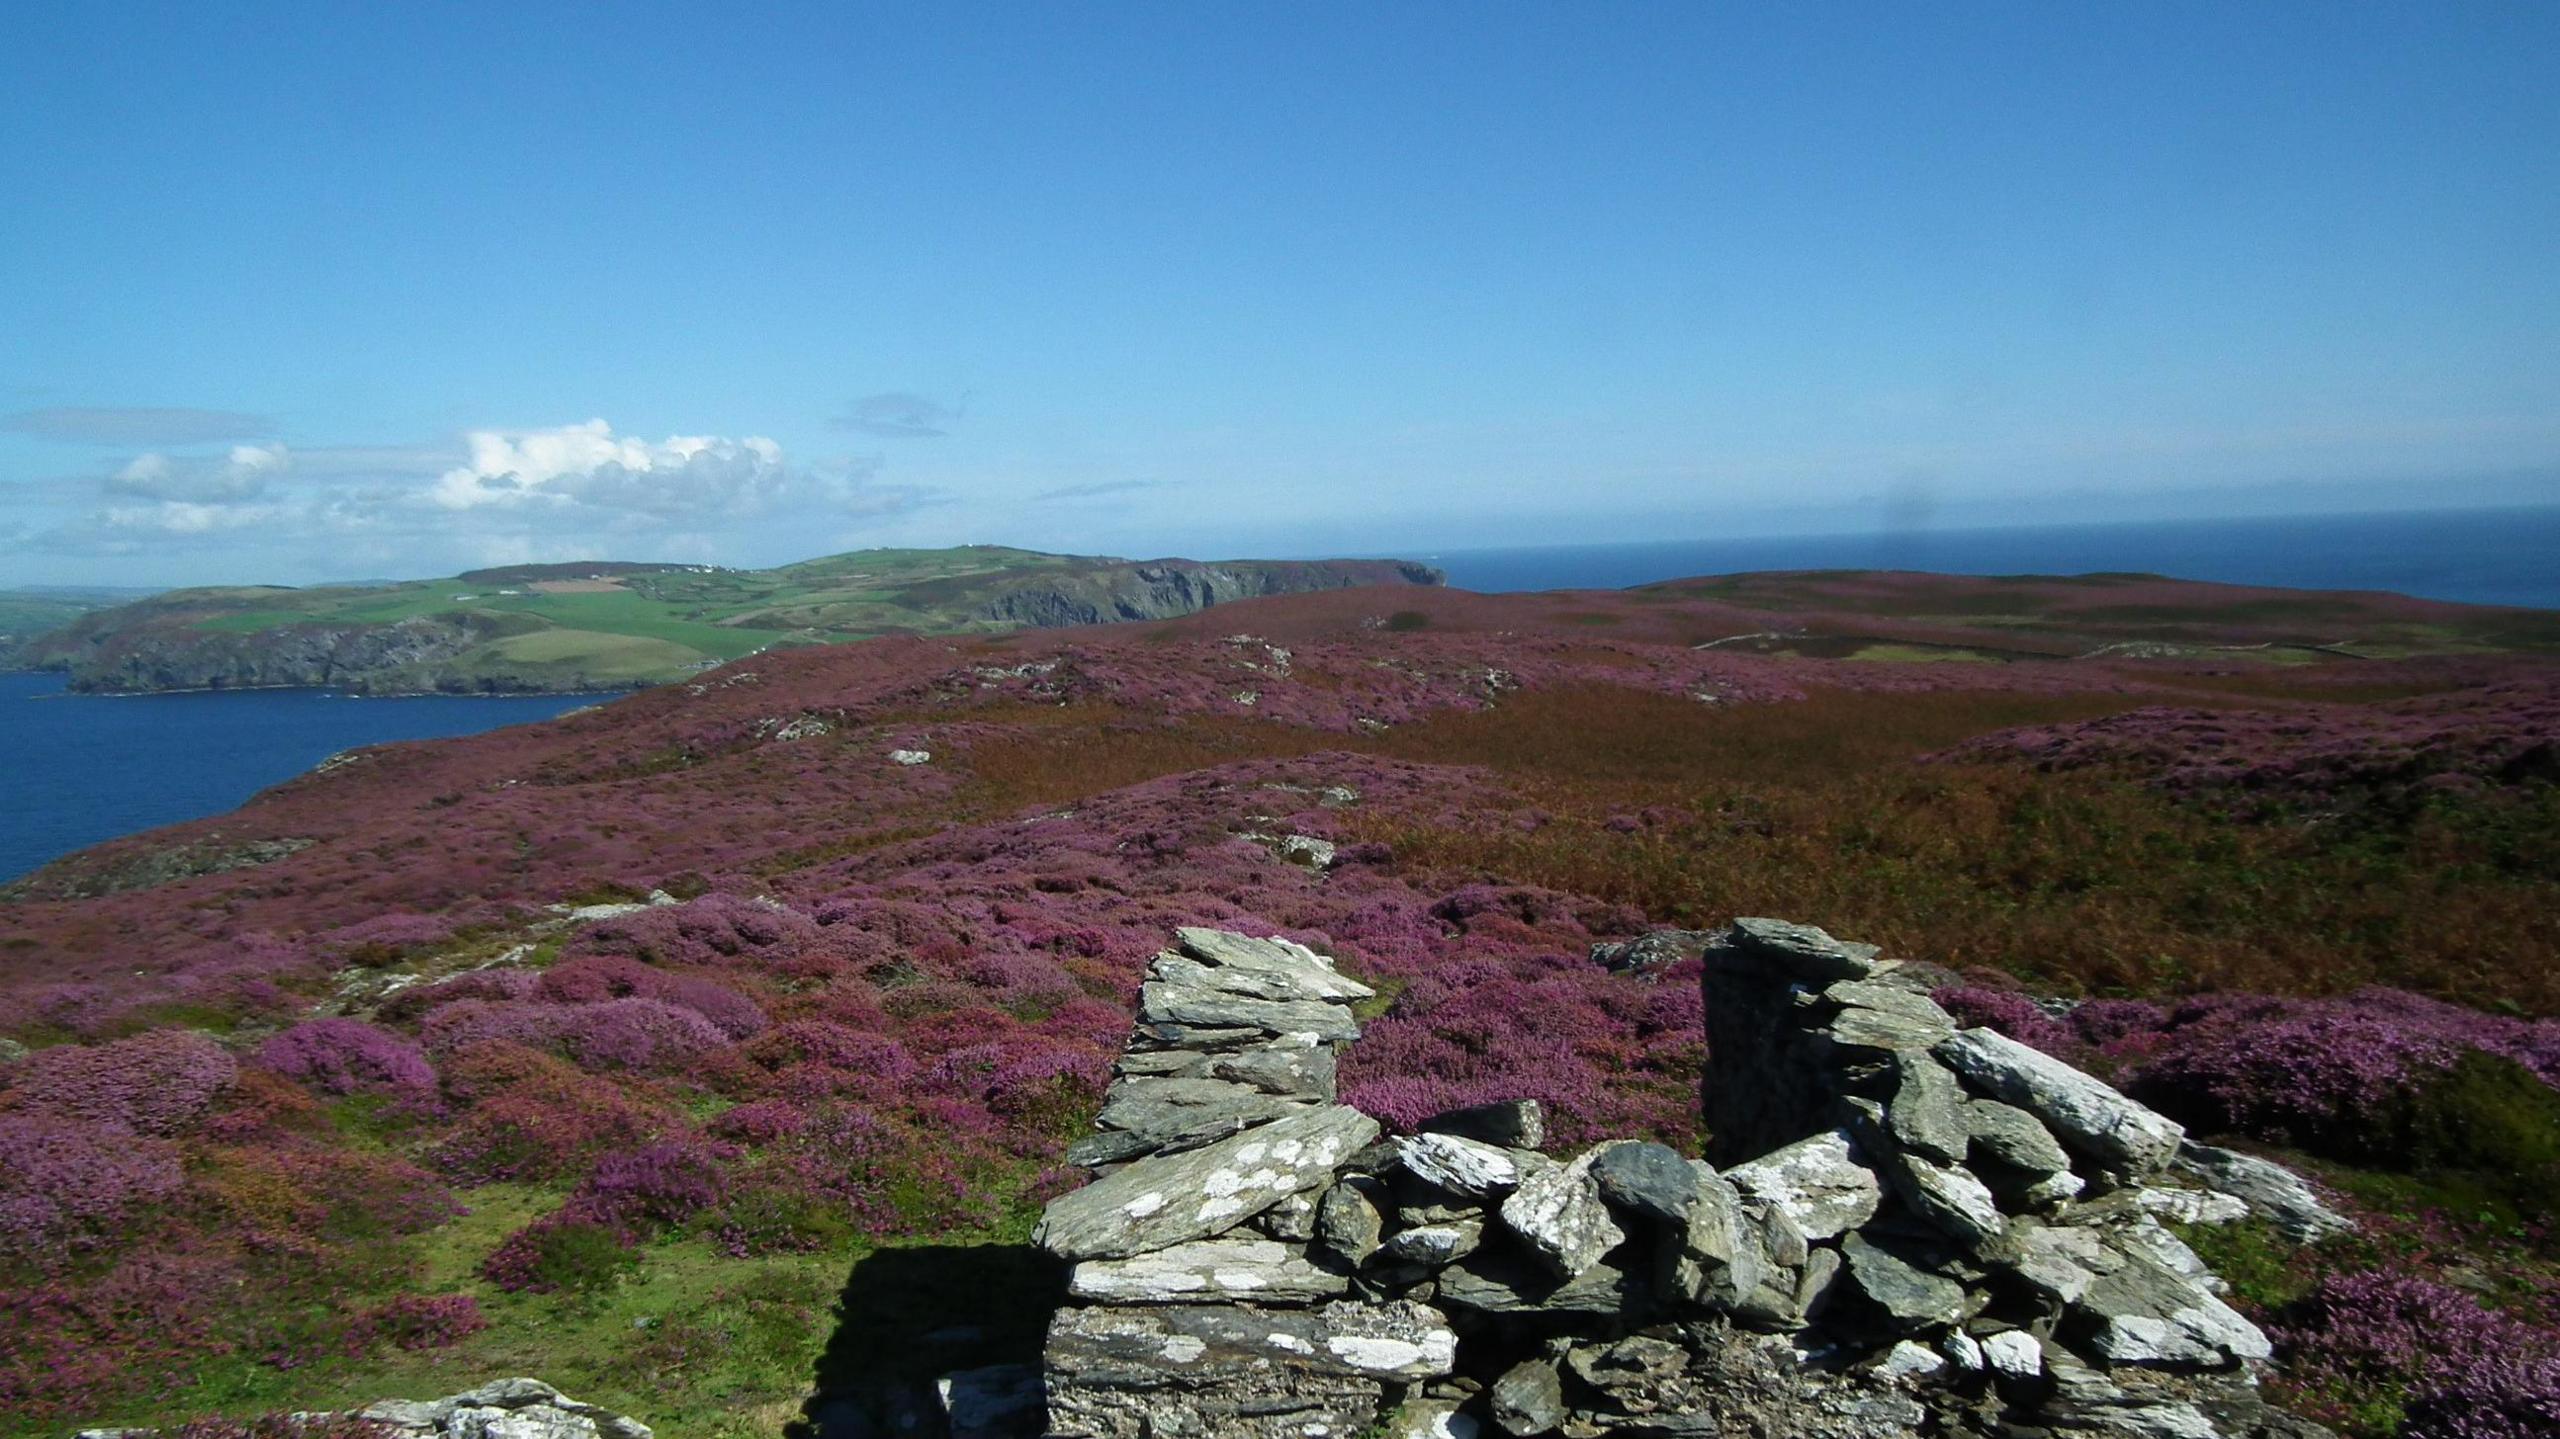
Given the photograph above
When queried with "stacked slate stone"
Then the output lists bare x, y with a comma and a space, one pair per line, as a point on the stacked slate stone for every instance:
1970, 1216
1944, 1233
1197, 1305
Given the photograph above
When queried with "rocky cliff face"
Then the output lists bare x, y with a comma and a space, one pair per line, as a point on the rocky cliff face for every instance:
108, 655
1169, 589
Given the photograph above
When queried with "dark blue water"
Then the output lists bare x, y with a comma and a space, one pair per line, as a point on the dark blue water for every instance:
2487, 557
83, 768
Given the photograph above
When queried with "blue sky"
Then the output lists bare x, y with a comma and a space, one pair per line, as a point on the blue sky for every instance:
299, 292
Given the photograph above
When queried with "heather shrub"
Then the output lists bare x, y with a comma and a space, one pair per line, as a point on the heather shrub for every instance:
662, 1183
635, 1034
562, 1253
533, 1116
64, 1184
592, 978
420, 1321
715, 930
2395, 1352
760, 1122
154, 1083
348, 1056
416, 1001
2013, 1014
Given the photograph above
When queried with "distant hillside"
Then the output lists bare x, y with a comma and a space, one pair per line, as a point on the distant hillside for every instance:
30, 613
608, 624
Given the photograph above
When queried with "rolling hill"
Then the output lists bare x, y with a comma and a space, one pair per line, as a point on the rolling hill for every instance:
597, 625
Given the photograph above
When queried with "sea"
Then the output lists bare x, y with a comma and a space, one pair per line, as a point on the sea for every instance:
84, 768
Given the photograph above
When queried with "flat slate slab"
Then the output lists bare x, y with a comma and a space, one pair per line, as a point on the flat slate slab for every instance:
1167, 1199
1234, 1268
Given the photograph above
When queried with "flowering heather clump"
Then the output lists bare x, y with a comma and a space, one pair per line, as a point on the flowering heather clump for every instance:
592, 978
2373, 1342
154, 1083
661, 1183
567, 1250
500, 984
64, 1183
532, 1116
348, 1056
419, 1321
715, 930
635, 1034
2013, 1014
611, 1034
385, 939
760, 1122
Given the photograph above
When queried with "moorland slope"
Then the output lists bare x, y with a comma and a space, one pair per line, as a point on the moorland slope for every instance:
700, 1050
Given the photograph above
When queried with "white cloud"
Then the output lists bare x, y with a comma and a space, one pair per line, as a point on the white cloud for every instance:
589, 464
202, 479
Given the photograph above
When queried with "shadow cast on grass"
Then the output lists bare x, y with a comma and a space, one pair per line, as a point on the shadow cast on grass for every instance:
910, 1315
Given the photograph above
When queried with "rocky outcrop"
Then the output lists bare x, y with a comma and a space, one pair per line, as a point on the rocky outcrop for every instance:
122, 651
1169, 589
117, 870
504, 1409
1932, 1231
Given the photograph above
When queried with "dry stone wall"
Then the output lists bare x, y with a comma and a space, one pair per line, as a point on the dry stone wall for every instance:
1908, 1228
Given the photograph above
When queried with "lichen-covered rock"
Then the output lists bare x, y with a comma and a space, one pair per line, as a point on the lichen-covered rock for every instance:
503, 1409
1434, 1246
1927, 1113
1500, 1281
2143, 1313
1229, 1269
1315, 1021
1182, 1113
1302, 966
1912, 1299
2131, 1140
1557, 1211
2271, 1191
1822, 1183
1228, 1372
1804, 950
1463, 1167
1348, 1224
1651, 952
1166, 1199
